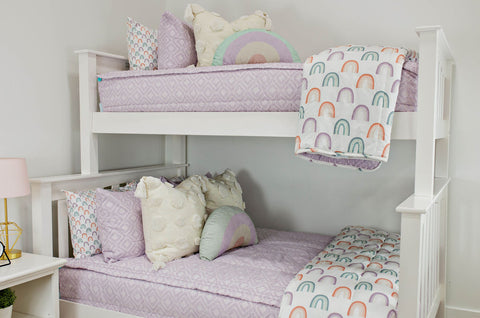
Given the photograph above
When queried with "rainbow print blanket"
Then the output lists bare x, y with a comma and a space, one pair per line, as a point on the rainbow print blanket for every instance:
347, 107
355, 276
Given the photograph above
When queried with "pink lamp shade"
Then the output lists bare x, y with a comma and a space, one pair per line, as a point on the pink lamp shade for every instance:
13, 178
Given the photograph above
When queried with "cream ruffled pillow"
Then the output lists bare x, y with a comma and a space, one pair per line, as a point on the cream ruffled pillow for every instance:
173, 218
222, 190
211, 29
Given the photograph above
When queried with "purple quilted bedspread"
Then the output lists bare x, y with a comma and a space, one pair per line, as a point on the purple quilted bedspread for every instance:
269, 87
246, 282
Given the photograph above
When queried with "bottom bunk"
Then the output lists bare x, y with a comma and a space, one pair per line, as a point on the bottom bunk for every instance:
245, 282
251, 280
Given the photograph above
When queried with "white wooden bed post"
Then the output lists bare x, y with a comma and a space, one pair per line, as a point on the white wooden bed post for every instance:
423, 225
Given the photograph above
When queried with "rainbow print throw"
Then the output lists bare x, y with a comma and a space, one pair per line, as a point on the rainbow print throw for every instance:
355, 276
348, 103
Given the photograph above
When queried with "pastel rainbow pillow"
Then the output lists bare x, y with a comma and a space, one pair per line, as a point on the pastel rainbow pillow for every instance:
254, 46
228, 227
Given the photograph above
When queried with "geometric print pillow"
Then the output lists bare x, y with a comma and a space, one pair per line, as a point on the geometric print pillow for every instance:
142, 46
83, 223
119, 216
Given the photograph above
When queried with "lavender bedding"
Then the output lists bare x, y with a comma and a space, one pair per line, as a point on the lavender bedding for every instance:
246, 282
269, 87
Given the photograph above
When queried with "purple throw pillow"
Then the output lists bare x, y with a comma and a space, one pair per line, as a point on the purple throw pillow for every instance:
120, 229
176, 43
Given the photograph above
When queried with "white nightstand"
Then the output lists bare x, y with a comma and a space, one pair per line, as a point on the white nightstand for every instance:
35, 281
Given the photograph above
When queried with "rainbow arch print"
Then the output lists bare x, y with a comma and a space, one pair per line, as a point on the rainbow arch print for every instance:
364, 286
322, 299
392, 314
390, 272
390, 50
307, 286
350, 275
357, 309
379, 298
380, 97
331, 78
336, 267
335, 315
369, 273
328, 278
317, 68
342, 127
298, 312
345, 95
304, 83
370, 56
309, 126
356, 145
336, 56
376, 131
366, 81
288, 297
356, 48
395, 86
386, 150
298, 142
326, 109
390, 118
400, 59
345, 260
350, 66
357, 265
316, 269
385, 68
361, 112
313, 94
322, 140
309, 266
301, 112
384, 282
342, 292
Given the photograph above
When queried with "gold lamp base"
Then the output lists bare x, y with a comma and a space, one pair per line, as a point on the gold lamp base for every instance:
13, 254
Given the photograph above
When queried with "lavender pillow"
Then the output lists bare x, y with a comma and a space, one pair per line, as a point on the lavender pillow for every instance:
176, 43
120, 229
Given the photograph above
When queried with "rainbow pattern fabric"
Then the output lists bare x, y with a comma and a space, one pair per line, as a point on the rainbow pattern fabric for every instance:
356, 275
347, 107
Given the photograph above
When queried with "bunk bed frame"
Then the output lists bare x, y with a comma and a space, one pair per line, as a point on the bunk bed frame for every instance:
423, 214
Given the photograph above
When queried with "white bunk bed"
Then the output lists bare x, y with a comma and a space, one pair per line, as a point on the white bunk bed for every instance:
423, 214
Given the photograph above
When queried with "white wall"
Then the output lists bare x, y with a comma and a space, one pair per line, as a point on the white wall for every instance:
288, 193
39, 117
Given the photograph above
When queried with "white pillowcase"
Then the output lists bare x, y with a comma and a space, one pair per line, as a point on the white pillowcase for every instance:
173, 218
210, 29
222, 190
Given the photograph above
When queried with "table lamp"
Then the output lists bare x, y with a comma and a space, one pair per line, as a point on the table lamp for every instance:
13, 183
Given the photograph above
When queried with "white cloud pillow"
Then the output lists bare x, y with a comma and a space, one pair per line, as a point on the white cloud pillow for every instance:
173, 218
211, 29
222, 190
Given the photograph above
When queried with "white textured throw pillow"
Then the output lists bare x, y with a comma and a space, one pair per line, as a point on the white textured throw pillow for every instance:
211, 29
173, 218
222, 190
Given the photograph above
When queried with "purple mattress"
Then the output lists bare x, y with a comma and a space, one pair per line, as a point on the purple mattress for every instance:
269, 87
246, 282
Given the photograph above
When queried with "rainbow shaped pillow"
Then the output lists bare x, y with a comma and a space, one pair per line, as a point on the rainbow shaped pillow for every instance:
228, 227
254, 46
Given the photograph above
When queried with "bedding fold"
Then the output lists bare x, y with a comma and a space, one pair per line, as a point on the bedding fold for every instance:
348, 103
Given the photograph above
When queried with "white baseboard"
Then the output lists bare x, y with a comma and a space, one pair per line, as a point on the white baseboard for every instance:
456, 312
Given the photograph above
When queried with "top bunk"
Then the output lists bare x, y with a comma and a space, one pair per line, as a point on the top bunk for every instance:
434, 99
